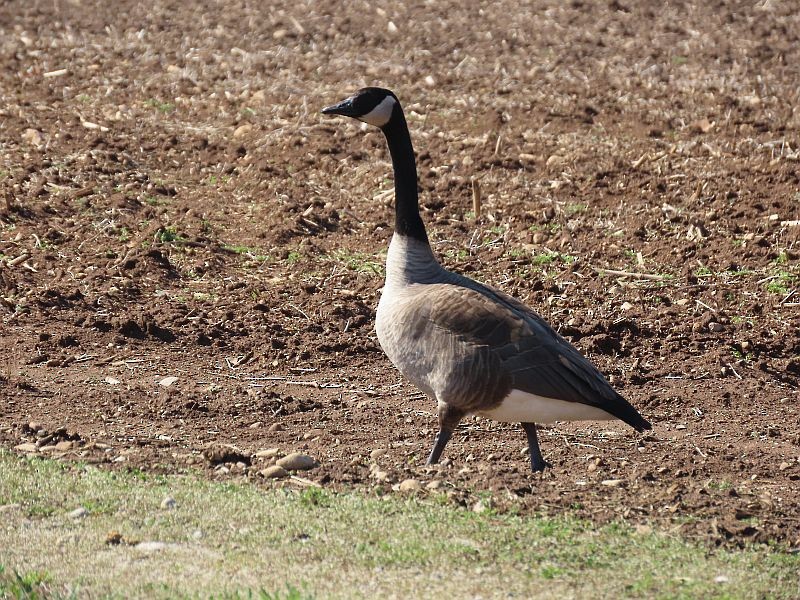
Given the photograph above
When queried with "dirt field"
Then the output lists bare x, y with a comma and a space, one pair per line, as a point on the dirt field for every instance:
173, 205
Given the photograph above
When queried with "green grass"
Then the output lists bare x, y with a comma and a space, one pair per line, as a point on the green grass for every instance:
253, 253
360, 262
236, 540
546, 258
169, 235
164, 107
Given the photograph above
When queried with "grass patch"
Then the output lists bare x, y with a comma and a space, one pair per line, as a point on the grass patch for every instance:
233, 540
252, 253
164, 107
546, 258
169, 235
360, 262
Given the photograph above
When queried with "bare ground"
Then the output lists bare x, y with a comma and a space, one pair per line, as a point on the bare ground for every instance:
173, 205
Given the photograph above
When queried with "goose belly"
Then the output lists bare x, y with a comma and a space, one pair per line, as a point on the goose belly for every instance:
522, 407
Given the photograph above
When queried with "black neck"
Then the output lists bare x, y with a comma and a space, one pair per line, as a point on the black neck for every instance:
406, 202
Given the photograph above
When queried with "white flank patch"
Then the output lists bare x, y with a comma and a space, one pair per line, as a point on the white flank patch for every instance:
380, 115
521, 407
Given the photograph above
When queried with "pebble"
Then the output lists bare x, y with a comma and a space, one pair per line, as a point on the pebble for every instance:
223, 453
268, 453
242, 130
626, 306
482, 506
78, 513
167, 381
274, 472
716, 327
276, 427
26, 447
381, 475
35, 426
539, 237
377, 453
410, 485
297, 462
168, 503
784, 466
721, 579
313, 433
64, 446
32, 137
682, 301
612, 482
434, 485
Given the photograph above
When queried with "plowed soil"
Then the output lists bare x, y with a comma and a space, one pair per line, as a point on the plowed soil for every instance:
172, 205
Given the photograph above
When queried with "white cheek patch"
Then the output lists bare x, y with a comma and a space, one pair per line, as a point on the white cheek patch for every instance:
380, 115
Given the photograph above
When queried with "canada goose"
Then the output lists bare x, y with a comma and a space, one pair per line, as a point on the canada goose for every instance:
472, 348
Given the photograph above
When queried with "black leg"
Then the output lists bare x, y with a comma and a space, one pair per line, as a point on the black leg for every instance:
438, 445
448, 419
537, 462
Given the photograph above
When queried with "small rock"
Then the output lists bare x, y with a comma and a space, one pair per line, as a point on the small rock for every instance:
680, 427
381, 475
434, 485
430, 81
33, 137
643, 529
78, 513
716, 327
539, 237
410, 485
64, 446
268, 453
784, 466
482, 506
626, 306
682, 301
224, 453
297, 462
721, 579
313, 433
276, 427
256, 425
612, 482
274, 472
168, 503
111, 380
242, 130
391, 27
377, 453
35, 426
26, 447
150, 546
167, 381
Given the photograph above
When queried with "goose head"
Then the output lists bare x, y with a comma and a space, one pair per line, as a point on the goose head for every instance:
371, 105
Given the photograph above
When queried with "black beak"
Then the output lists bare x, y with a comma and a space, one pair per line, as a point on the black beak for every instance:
344, 108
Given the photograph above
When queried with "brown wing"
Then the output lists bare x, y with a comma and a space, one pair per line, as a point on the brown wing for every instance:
525, 351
